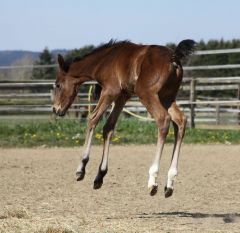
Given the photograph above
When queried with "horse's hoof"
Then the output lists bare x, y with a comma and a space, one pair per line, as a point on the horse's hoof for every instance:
168, 192
97, 184
80, 176
153, 190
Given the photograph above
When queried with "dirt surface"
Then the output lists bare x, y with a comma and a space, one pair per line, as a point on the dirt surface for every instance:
38, 192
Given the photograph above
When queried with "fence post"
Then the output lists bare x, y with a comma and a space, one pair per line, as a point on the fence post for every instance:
238, 105
192, 99
52, 115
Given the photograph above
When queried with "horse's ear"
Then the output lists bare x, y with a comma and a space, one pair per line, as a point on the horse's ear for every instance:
62, 64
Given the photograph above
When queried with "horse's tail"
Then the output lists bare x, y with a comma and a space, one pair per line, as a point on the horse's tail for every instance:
184, 49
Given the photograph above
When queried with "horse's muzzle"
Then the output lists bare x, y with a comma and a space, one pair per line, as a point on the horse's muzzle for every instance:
59, 112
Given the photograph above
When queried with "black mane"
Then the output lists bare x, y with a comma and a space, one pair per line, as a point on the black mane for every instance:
101, 47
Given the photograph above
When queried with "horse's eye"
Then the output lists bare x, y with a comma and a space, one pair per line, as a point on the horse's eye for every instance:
57, 85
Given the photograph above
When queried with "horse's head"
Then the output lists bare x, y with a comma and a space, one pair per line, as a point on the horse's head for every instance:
66, 88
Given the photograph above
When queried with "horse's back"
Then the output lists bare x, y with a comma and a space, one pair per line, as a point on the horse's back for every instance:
128, 64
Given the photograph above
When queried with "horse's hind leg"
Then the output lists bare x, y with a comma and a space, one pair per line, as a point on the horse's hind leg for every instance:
162, 118
103, 103
179, 124
107, 134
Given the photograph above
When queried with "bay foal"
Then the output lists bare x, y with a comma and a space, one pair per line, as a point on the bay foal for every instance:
153, 73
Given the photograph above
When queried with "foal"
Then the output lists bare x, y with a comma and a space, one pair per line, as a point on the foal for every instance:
153, 73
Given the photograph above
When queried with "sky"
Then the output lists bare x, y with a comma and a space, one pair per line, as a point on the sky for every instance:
68, 24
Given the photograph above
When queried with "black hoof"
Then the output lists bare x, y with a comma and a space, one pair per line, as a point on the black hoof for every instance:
99, 179
97, 184
80, 176
168, 192
154, 190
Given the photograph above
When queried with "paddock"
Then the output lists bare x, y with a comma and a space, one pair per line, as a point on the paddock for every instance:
39, 193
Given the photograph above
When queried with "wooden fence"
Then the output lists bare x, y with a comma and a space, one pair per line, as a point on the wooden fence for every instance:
17, 98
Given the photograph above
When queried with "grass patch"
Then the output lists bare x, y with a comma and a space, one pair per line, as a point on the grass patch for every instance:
68, 133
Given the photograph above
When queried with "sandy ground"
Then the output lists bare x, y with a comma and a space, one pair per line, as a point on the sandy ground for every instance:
38, 193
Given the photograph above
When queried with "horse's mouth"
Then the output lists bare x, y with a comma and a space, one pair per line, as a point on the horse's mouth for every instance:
59, 112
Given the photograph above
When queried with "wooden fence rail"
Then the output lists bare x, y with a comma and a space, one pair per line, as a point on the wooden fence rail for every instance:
21, 97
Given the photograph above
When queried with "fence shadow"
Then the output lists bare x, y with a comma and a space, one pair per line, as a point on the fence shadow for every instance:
227, 217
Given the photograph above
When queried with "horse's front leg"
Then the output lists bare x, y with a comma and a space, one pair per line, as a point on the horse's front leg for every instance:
107, 134
103, 103
86, 152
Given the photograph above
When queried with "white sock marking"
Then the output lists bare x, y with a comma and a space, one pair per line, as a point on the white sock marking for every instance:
153, 171
86, 150
172, 173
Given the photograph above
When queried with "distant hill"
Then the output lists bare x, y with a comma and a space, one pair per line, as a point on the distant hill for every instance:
11, 57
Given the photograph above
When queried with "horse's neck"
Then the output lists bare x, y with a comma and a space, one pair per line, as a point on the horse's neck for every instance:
86, 68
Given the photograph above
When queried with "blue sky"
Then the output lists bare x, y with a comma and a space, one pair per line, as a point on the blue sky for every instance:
58, 24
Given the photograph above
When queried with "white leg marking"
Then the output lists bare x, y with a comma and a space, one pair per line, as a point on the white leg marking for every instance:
106, 152
88, 145
87, 148
154, 169
172, 172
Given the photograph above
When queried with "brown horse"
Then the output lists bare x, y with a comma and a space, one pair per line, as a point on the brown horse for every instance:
153, 73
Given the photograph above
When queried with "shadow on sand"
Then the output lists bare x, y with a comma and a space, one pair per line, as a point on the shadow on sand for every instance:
227, 218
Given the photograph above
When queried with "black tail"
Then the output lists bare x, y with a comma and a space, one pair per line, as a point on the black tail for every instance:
184, 49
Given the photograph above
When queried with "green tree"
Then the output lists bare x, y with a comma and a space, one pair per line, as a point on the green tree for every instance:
45, 58
79, 53
217, 59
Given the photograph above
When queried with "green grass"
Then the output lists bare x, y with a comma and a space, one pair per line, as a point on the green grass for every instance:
68, 133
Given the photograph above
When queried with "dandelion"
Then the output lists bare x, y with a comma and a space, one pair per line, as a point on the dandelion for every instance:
116, 139
171, 133
98, 136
